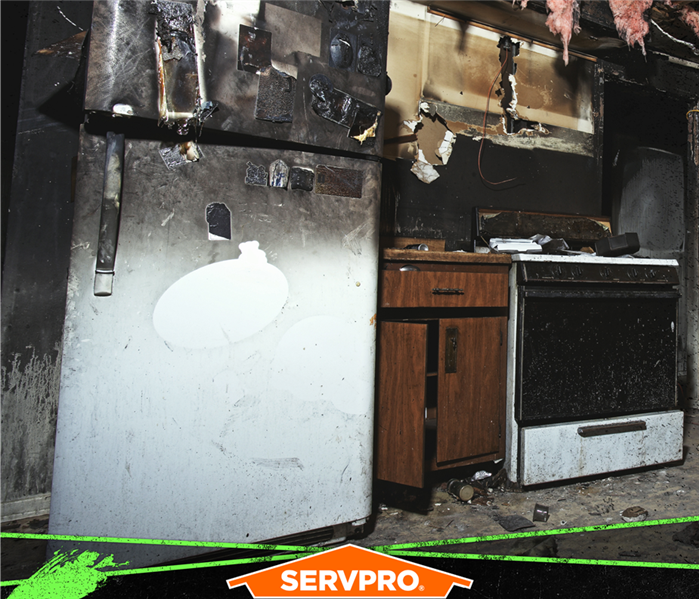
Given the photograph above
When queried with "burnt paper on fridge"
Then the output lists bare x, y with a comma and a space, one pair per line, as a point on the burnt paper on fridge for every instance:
278, 174
345, 182
256, 175
338, 107
254, 49
301, 178
218, 217
275, 96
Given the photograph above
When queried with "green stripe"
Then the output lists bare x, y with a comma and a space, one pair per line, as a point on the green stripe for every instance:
396, 549
217, 545
549, 560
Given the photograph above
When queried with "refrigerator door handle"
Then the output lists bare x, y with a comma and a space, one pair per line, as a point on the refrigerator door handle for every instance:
109, 219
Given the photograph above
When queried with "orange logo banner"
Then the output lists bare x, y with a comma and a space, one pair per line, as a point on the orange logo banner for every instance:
349, 571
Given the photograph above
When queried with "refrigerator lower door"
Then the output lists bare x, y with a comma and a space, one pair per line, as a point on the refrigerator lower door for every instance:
224, 390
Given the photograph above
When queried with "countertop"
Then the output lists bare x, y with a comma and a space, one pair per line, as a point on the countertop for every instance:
391, 254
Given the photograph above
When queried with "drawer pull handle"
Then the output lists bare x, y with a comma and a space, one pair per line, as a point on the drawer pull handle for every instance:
611, 429
446, 291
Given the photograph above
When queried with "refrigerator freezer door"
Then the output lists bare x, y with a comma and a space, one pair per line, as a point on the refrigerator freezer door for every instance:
304, 72
224, 391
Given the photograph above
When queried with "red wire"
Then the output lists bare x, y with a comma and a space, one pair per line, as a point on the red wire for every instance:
485, 116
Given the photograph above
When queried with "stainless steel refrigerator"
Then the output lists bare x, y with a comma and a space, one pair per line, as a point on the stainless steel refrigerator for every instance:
218, 356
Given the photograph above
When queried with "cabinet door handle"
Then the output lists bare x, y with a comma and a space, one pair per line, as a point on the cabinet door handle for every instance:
450, 351
446, 291
611, 429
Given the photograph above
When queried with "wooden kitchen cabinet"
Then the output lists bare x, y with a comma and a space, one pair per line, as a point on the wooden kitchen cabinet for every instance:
442, 346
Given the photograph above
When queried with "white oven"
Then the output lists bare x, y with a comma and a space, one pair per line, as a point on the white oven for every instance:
591, 366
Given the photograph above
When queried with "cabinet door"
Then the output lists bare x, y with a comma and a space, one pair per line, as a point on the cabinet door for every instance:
400, 419
471, 385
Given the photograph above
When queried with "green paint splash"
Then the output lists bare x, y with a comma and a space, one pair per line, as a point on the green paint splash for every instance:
66, 576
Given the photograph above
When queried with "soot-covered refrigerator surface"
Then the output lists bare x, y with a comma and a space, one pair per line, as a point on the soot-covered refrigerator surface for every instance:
218, 357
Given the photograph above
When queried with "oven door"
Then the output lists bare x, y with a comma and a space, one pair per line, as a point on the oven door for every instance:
594, 352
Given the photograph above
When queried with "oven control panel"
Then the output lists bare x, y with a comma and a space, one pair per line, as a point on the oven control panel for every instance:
561, 272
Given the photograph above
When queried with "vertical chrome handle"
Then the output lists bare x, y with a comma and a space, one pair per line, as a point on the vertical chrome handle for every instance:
111, 209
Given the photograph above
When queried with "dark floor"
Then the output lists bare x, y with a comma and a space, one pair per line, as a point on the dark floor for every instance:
668, 492
432, 516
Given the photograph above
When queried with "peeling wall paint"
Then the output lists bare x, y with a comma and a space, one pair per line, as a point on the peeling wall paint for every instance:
29, 404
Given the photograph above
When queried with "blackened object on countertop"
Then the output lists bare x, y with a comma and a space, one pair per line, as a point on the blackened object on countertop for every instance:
618, 245
555, 246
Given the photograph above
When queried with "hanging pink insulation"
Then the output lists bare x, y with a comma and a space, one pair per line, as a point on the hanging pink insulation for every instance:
689, 15
628, 17
691, 18
629, 21
563, 20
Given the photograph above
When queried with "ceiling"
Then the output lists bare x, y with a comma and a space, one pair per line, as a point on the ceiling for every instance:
598, 36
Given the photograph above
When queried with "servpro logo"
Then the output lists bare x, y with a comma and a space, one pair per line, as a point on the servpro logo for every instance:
349, 571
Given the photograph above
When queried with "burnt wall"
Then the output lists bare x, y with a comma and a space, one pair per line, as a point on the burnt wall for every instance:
37, 247
545, 181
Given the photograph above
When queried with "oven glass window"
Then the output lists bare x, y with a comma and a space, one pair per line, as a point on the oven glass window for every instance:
589, 357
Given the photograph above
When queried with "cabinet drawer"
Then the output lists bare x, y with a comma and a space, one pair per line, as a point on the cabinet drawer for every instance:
440, 289
561, 451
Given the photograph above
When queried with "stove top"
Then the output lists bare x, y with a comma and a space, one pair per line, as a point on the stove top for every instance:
593, 259
548, 268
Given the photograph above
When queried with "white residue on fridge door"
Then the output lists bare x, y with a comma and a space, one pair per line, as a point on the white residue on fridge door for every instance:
322, 358
222, 303
353, 239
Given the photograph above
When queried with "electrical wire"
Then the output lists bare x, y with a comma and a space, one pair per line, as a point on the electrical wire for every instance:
485, 116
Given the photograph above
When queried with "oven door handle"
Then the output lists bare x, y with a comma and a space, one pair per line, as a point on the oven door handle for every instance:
611, 429
599, 293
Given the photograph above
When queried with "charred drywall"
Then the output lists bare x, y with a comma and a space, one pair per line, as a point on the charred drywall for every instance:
469, 69
542, 181
471, 107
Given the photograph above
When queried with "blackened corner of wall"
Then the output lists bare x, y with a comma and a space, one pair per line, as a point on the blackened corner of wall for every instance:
38, 158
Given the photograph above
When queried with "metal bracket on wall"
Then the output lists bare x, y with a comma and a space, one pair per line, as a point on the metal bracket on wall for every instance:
109, 219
